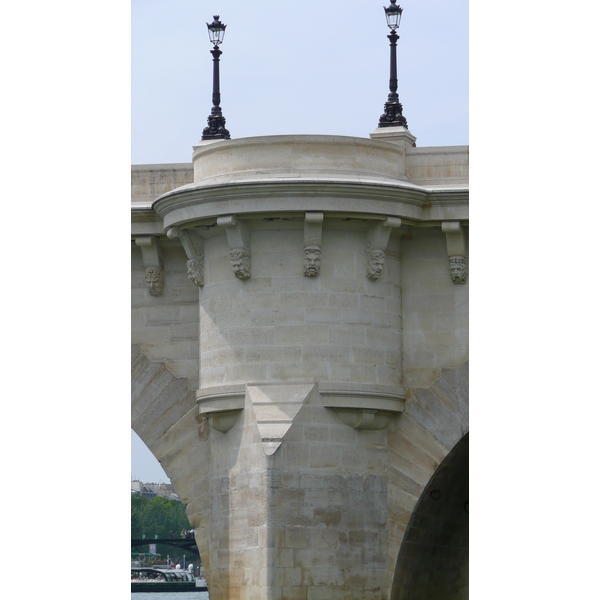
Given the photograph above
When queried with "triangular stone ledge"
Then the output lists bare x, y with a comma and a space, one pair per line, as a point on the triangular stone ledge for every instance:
275, 407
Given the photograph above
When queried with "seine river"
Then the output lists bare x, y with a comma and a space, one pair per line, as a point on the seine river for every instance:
169, 596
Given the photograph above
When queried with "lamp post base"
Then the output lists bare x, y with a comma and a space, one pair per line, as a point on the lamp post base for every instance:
216, 128
392, 115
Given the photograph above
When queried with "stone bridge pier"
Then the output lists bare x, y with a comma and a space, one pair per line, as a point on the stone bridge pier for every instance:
300, 361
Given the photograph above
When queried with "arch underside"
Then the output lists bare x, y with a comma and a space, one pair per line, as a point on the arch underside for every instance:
433, 561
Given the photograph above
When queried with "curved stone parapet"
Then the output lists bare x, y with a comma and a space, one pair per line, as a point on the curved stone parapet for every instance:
299, 173
326, 157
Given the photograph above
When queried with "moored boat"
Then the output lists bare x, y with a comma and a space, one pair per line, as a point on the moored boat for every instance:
157, 579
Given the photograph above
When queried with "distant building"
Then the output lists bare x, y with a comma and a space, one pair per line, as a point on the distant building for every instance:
150, 490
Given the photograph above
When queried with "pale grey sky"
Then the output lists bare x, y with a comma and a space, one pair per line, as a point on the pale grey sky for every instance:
303, 67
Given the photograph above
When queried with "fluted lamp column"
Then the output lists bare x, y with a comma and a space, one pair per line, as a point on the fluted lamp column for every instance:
216, 121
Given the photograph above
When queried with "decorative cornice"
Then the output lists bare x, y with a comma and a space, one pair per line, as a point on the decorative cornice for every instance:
221, 405
144, 221
186, 205
363, 406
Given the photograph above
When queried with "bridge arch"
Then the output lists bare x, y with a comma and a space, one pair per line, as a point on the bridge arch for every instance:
433, 561
428, 452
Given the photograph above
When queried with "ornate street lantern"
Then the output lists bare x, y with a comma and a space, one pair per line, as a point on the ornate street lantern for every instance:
216, 31
393, 14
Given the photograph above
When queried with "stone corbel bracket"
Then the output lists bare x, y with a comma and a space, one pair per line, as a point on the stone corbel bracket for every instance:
221, 405
378, 236
363, 407
193, 244
313, 232
457, 251
238, 238
153, 264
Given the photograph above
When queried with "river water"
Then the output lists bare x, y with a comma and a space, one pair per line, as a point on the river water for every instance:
169, 596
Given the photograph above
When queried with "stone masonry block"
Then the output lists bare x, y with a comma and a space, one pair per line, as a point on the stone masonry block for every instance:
419, 436
372, 303
353, 335
271, 354
344, 301
222, 357
298, 592
309, 558
245, 373
161, 314
155, 335
293, 576
331, 353
324, 315
214, 339
354, 459
265, 317
296, 456
307, 300
324, 457
252, 336
353, 317
300, 334
287, 371
189, 313
232, 319
184, 331
174, 350
387, 320
450, 358
388, 375
183, 368
295, 537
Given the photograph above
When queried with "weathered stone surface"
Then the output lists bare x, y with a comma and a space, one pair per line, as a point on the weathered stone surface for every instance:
289, 501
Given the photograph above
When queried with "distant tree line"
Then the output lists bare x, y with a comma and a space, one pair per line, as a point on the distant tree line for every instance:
159, 516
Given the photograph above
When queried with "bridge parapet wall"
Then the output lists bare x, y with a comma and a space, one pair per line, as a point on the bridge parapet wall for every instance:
148, 182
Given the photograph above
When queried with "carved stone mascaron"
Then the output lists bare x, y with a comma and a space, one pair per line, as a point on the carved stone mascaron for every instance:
240, 263
155, 279
458, 269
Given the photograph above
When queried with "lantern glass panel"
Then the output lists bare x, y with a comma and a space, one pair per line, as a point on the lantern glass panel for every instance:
393, 18
216, 32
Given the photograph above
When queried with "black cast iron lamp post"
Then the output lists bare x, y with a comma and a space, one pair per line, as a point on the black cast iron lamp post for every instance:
216, 121
392, 116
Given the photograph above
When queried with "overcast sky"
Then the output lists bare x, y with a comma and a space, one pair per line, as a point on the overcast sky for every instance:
294, 67
286, 68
